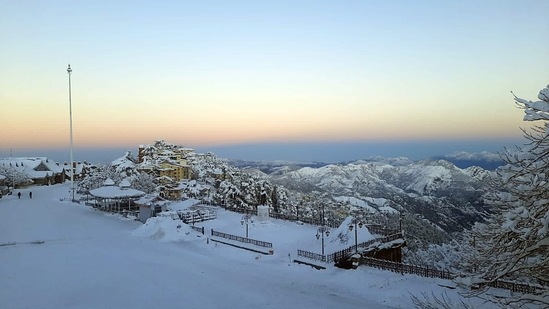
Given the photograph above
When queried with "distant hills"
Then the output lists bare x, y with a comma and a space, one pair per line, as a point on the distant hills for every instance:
486, 160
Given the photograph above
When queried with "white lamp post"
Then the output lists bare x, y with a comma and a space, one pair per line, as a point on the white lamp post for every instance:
320, 233
245, 219
69, 70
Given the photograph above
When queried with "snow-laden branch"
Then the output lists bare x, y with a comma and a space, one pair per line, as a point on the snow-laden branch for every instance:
535, 110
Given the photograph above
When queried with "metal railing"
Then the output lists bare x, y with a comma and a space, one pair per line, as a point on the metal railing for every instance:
311, 255
198, 229
242, 239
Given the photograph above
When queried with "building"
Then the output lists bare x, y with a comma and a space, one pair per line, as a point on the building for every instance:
165, 160
32, 171
113, 198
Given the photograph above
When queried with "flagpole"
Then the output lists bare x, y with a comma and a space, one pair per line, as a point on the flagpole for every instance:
69, 70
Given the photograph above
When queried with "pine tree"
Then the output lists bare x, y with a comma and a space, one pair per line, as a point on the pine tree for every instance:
514, 243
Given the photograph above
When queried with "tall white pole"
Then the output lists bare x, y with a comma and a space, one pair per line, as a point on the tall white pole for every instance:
69, 70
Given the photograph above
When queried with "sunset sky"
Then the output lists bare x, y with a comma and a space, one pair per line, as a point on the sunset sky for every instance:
222, 73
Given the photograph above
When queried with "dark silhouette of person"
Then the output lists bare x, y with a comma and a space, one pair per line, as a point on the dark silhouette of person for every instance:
30, 195
19, 195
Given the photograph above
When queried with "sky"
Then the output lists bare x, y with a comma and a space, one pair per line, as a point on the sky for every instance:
236, 74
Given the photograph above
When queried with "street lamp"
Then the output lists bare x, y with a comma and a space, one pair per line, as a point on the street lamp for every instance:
356, 223
245, 219
69, 70
400, 221
320, 233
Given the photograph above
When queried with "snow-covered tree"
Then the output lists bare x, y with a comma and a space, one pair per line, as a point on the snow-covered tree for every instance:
144, 182
514, 243
97, 177
15, 175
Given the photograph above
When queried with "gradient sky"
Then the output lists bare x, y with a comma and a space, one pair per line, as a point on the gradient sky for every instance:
211, 73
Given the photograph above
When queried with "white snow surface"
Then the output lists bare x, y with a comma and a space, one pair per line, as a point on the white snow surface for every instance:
116, 192
58, 254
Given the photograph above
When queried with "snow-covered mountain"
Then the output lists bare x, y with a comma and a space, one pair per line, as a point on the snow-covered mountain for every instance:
484, 159
432, 198
433, 193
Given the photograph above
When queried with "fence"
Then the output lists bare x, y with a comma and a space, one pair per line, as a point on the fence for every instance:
407, 268
442, 274
198, 229
513, 286
242, 239
197, 216
345, 253
311, 255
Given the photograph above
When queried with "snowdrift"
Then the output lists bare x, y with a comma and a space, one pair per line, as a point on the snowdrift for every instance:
165, 229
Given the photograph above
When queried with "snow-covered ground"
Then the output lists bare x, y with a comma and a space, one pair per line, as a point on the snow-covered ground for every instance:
57, 254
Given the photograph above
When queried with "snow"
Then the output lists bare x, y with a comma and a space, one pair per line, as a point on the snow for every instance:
165, 229
28, 166
57, 254
116, 192
356, 202
183, 205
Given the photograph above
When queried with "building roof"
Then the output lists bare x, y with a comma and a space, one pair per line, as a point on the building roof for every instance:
29, 166
115, 192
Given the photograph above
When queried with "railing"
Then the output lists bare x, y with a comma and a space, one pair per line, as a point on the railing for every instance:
197, 216
513, 286
198, 229
242, 239
442, 274
345, 253
311, 255
407, 268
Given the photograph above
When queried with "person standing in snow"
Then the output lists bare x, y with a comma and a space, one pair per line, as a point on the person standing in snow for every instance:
19, 195
30, 195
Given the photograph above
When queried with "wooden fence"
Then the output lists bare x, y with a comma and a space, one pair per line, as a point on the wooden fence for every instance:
242, 239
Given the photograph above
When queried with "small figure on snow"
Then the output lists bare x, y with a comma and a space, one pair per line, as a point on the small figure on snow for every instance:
30, 195
19, 195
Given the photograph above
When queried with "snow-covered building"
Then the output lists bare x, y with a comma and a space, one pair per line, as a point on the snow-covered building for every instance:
33, 170
3, 188
165, 160
149, 206
80, 169
115, 198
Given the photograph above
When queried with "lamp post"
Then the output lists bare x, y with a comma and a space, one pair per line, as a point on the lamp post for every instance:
356, 223
320, 233
69, 70
245, 219
400, 221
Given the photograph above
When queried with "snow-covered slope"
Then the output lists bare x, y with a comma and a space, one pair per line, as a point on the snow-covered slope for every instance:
62, 255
